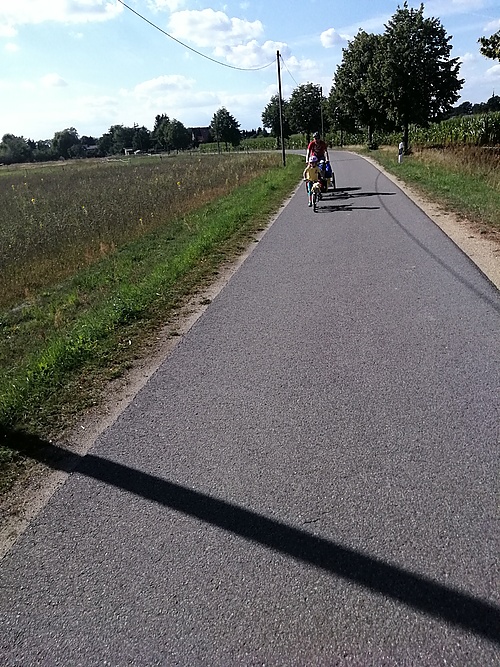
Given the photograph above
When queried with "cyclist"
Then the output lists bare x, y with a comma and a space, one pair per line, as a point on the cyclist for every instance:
311, 176
318, 148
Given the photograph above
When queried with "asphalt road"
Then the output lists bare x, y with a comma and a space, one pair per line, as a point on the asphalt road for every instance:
308, 479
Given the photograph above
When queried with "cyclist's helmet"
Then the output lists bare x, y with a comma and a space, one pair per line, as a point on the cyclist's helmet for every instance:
316, 135
313, 159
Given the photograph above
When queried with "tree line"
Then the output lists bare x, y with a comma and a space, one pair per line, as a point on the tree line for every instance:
385, 82
167, 135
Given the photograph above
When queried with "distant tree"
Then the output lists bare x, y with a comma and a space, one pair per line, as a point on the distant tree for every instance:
64, 140
14, 149
159, 120
178, 137
159, 133
105, 144
224, 127
349, 97
122, 137
76, 150
141, 140
304, 109
490, 46
339, 118
480, 107
467, 108
464, 109
414, 80
493, 103
43, 151
271, 118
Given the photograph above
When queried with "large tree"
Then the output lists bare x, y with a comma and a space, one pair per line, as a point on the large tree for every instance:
64, 141
160, 131
116, 139
14, 149
271, 118
177, 136
226, 128
141, 140
414, 80
304, 109
490, 46
349, 97
43, 151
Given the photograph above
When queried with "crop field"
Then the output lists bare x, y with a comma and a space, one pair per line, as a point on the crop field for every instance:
475, 130
57, 219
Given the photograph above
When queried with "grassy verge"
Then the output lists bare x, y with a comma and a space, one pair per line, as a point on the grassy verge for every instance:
59, 348
465, 181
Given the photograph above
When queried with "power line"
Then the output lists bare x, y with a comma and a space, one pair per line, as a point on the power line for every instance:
284, 65
218, 62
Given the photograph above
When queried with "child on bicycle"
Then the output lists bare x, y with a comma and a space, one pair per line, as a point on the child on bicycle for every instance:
311, 176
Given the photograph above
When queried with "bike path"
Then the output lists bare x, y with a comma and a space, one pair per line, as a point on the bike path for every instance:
308, 479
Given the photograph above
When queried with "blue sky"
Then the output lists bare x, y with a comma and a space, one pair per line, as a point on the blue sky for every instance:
90, 64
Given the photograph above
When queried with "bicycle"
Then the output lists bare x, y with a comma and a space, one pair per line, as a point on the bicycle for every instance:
315, 188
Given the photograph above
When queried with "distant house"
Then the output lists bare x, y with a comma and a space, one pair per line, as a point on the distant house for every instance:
200, 135
90, 150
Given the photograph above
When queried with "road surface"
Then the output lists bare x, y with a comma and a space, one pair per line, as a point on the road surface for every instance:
308, 479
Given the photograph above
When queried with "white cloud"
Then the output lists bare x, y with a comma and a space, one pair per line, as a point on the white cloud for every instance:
330, 38
210, 28
297, 71
7, 30
251, 54
10, 47
53, 81
493, 73
23, 12
163, 85
161, 5
492, 27
469, 58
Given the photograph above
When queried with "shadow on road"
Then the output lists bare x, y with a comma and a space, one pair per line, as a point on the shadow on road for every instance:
326, 204
420, 593
331, 208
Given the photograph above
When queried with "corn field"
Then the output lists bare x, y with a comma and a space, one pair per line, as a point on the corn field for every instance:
477, 130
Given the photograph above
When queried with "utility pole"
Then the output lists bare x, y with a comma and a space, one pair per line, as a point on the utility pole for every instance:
280, 109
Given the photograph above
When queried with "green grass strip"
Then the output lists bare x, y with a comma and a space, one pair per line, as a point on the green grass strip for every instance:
460, 188
137, 285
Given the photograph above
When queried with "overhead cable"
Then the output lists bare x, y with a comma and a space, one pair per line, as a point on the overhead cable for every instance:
284, 65
218, 62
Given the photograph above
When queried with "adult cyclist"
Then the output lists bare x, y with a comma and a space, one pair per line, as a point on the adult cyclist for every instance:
318, 148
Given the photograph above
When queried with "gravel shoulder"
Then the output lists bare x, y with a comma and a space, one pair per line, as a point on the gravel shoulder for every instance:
34, 489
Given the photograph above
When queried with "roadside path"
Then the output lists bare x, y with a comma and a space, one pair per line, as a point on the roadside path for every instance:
308, 479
